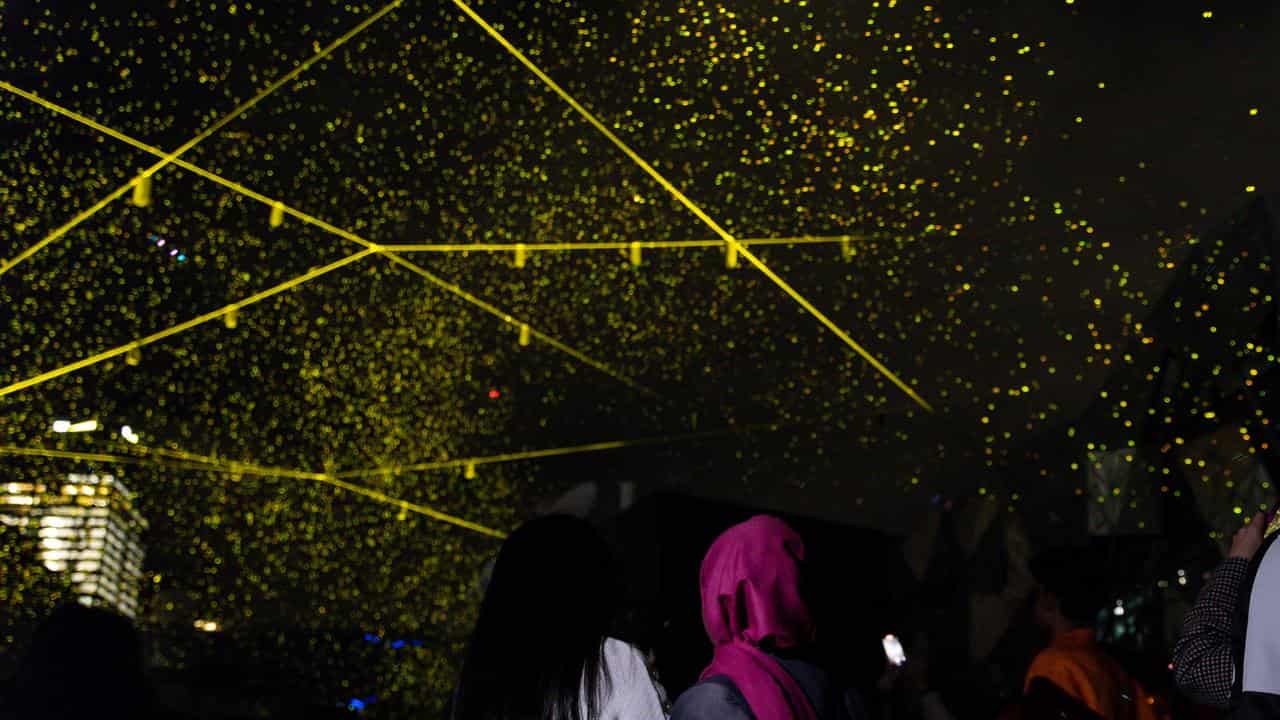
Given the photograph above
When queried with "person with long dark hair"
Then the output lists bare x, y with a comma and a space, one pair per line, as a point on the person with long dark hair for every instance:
83, 662
541, 648
763, 634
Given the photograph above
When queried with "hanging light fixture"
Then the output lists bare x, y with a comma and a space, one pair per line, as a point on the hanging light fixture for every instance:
66, 426
846, 248
277, 214
142, 191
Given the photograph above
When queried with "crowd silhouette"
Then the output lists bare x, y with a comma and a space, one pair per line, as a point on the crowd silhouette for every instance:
544, 646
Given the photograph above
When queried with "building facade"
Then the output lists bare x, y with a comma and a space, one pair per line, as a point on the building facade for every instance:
87, 527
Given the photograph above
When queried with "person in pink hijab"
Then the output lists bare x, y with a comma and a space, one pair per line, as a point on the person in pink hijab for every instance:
761, 628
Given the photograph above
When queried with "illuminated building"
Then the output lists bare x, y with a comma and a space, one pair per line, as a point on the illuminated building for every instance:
87, 527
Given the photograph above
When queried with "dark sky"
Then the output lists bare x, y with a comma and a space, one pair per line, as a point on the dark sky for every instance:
1165, 145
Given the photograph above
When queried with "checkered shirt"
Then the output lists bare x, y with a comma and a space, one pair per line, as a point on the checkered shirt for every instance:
1204, 659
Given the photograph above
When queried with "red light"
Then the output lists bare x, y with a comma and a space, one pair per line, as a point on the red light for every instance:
495, 394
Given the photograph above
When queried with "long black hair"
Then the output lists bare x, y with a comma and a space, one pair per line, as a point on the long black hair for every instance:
82, 662
537, 652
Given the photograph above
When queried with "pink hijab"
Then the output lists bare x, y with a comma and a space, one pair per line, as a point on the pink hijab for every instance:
751, 597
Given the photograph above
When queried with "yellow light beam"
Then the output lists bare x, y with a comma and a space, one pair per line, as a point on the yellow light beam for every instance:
625, 245
235, 467
94, 457
516, 323
183, 326
167, 158
413, 507
167, 458
675, 192
229, 465
544, 453
314, 221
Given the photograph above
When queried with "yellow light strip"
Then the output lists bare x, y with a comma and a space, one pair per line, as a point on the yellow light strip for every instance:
204, 464
544, 453
191, 461
168, 459
91, 457
314, 221
693, 208
510, 320
413, 507
229, 465
235, 466
167, 158
183, 326
626, 245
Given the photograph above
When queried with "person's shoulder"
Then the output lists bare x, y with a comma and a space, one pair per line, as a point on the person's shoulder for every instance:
715, 691
626, 664
633, 691
614, 646
1055, 656
1053, 663
711, 699
624, 654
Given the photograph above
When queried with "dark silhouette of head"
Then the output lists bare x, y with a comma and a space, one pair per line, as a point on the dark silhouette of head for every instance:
82, 662
538, 642
1073, 589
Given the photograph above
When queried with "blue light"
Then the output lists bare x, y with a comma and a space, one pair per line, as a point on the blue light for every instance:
397, 645
370, 637
356, 704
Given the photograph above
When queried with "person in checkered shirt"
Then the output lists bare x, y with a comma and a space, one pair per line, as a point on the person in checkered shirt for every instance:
1206, 657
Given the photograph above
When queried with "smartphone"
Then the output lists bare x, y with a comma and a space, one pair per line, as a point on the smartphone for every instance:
893, 651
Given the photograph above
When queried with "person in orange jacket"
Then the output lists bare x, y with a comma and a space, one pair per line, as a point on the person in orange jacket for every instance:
1069, 598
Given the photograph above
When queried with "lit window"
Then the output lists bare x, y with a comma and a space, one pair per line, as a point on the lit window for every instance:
55, 521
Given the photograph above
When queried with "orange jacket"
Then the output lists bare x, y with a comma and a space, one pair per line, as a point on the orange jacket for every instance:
1076, 664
